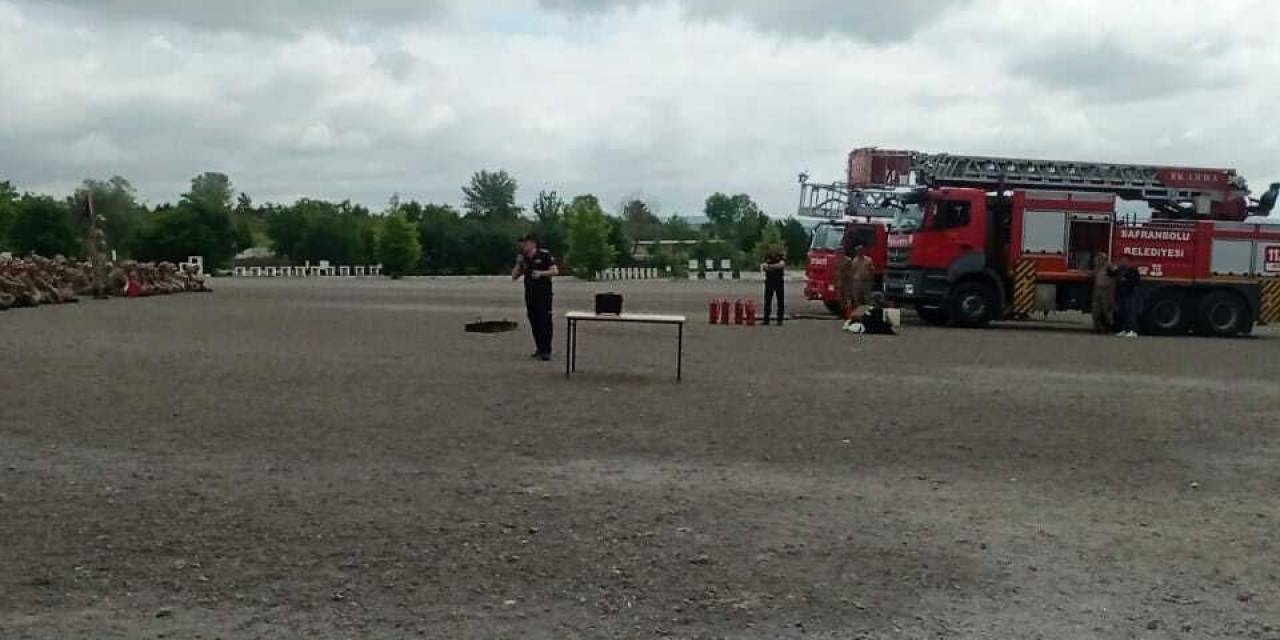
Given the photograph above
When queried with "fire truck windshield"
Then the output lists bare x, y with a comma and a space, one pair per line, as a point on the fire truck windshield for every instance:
907, 219
827, 237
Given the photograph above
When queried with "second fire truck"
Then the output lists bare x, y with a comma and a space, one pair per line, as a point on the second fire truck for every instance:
853, 213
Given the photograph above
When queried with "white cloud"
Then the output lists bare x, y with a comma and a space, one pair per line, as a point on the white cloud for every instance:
671, 100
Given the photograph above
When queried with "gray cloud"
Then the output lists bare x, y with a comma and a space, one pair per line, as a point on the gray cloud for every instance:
613, 105
868, 20
1107, 71
262, 15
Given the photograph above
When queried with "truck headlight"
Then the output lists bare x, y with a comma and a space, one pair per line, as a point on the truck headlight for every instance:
909, 289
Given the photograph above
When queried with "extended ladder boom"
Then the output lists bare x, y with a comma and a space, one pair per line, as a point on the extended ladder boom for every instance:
1173, 191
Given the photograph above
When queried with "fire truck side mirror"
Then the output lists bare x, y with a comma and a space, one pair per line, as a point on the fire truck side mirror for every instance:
1268, 200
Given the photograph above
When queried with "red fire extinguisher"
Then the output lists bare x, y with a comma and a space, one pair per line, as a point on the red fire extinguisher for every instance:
739, 312
724, 311
715, 311
751, 313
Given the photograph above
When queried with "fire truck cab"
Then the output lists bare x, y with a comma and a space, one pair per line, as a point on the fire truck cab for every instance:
977, 256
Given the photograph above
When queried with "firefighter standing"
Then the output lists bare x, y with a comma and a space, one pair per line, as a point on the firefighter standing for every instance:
1127, 281
1104, 295
854, 280
774, 268
97, 246
537, 267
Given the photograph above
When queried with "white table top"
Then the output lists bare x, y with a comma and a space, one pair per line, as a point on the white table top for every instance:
626, 317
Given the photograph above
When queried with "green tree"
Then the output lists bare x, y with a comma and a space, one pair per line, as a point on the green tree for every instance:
796, 238
736, 219
212, 191
398, 246
589, 248
490, 247
243, 234
367, 248
677, 228
620, 242
722, 211
639, 222
285, 226
316, 230
115, 201
549, 223
200, 225
491, 197
8, 210
328, 236
412, 211
244, 205
443, 238
195, 227
42, 226
548, 207
770, 242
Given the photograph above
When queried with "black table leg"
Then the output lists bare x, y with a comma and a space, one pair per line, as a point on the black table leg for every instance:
568, 344
680, 353
573, 358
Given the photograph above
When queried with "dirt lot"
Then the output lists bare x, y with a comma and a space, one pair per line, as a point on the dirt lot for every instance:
339, 460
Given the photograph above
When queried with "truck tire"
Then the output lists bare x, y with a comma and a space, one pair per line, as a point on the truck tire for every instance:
1165, 313
834, 307
932, 315
972, 305
1223, 314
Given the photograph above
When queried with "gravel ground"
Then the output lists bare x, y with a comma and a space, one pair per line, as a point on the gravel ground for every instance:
338, 459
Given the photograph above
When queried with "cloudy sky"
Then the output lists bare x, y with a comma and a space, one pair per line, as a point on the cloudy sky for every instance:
669, 100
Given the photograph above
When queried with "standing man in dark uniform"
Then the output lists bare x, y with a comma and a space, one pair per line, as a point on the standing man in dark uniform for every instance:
774, 267
1127, 280
537, 267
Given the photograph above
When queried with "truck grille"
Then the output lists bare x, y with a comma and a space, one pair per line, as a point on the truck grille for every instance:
899, 256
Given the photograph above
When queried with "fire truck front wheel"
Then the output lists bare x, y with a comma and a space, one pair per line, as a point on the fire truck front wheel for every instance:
972, 305
1223, 314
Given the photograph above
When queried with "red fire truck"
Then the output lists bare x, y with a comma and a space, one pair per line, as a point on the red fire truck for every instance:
1002, 238
852, 213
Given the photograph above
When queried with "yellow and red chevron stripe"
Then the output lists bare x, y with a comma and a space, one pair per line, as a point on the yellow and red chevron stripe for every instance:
1024, 288
1269, 306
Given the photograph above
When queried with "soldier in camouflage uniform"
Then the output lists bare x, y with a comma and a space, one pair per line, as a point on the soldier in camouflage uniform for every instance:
98, 260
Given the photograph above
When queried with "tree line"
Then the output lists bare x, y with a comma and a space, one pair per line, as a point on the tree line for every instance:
408, 237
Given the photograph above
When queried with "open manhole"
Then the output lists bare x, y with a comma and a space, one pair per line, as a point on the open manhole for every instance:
491, 326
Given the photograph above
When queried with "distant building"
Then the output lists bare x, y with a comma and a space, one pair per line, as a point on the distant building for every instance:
643, 250
259, 257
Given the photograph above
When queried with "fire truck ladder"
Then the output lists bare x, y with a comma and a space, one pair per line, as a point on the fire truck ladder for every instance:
829, 201
838, 200
1129, 181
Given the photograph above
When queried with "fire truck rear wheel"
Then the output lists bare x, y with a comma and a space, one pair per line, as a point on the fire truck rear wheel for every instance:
1165, 313
972, 305
834, 307
1223, 314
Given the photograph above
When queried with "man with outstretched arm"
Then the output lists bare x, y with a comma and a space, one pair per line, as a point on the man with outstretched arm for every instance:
537, 266
774, 268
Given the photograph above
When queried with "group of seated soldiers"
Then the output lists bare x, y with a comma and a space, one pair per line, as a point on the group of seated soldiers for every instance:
28, 282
